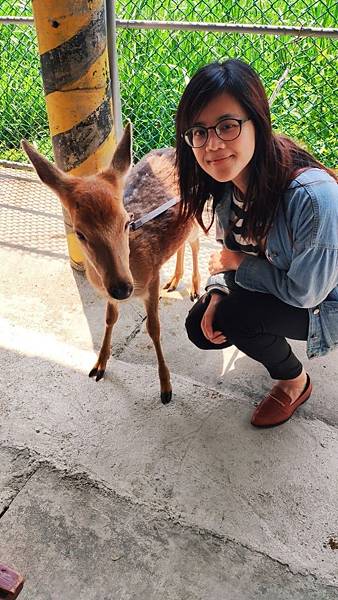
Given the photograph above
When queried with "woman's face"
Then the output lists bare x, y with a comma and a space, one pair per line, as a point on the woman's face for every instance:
226, 160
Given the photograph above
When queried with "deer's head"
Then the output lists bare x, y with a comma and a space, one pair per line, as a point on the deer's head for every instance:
98, 216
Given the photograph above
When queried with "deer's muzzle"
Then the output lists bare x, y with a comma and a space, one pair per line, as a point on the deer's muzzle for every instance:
121, 291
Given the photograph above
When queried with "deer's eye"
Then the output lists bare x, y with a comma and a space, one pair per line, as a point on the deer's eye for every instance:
80, 236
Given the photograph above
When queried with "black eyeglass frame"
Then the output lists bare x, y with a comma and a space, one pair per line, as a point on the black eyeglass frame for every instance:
214, 127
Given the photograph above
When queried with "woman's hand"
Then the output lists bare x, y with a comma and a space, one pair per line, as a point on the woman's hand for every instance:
225, 260
216, 337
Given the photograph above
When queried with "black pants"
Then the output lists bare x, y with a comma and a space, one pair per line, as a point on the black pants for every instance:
256, 324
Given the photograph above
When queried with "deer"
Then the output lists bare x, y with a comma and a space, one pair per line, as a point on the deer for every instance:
123, 259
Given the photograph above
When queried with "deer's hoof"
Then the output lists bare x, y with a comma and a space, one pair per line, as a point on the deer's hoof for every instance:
171, 285
166, 397
97, 373
194, 295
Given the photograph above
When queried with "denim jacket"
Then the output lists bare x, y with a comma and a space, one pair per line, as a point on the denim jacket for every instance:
300, 265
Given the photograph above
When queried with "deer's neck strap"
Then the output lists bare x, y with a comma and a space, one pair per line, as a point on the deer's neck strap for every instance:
153, 213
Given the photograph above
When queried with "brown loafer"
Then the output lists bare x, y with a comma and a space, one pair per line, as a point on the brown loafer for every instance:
277, 407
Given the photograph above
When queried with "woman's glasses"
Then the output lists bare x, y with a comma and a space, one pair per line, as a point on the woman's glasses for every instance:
226, 130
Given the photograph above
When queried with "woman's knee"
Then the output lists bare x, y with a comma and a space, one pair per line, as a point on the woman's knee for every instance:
193, 325
194, 331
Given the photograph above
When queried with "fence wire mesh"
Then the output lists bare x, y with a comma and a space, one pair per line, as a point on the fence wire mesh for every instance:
300, 73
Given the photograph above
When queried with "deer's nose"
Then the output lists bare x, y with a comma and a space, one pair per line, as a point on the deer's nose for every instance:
121, 291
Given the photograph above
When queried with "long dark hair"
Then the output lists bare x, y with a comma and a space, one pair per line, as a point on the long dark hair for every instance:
275, 159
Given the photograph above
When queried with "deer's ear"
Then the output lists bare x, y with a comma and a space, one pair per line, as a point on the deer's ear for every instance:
122, 158
48, 173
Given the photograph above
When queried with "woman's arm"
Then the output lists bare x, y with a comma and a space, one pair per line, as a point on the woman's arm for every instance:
225, 260
313, 270
312, 275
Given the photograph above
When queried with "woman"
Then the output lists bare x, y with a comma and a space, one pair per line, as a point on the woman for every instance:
276, 213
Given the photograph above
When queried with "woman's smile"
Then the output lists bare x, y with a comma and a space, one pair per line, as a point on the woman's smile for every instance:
218, 160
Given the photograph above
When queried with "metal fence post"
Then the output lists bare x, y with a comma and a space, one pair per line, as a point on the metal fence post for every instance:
74, 63
114, 69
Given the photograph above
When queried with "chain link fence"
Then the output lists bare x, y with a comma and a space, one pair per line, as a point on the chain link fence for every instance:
300, 73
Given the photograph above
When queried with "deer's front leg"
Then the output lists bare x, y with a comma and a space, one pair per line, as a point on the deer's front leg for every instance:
99, 368
153, 327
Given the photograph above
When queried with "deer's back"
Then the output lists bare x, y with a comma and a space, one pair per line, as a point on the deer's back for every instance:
151, 183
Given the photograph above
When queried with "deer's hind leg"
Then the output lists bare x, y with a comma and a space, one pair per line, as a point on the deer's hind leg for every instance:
153, 327
194, 242
112, 313
173, 282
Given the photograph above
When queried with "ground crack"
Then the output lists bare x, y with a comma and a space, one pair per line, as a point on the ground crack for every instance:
80, 479
118, 349
18, 490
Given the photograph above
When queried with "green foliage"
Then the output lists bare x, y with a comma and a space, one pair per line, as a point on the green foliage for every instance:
22, 104
16, 8
155, 66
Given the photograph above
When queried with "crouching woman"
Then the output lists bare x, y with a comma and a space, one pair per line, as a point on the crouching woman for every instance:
276, 211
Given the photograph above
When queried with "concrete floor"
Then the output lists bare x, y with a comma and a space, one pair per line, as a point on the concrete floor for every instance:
107, 494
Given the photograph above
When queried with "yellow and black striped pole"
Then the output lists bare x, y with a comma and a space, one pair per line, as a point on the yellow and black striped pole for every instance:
74, 63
